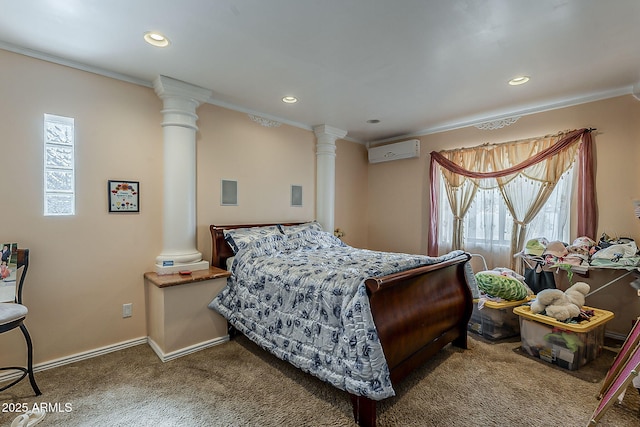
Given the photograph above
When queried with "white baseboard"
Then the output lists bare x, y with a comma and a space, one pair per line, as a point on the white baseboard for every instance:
77, 357
116, 347
165, 357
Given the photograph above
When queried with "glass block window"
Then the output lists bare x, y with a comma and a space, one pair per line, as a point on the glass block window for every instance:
59, 167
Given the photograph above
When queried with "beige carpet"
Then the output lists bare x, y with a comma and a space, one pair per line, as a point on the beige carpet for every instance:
238, 384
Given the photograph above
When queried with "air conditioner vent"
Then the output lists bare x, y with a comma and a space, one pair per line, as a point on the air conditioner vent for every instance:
396, 151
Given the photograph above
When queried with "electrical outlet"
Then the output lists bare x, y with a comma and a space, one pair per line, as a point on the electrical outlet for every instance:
126, 310
639, 292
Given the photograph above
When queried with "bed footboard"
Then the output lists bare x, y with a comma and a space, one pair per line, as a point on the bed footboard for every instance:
416, 313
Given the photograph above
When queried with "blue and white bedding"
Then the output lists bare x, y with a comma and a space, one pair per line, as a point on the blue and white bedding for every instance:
299, 292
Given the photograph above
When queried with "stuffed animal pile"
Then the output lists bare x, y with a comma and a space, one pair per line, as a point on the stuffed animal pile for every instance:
561, 305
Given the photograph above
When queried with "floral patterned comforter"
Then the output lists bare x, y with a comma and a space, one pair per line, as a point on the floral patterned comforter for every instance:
305, 301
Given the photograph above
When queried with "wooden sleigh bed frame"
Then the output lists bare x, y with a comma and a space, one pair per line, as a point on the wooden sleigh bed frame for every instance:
416, 312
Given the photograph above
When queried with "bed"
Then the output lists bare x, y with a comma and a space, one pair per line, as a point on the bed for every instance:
360, 320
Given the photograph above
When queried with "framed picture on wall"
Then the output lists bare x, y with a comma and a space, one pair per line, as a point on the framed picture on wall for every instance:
124, 196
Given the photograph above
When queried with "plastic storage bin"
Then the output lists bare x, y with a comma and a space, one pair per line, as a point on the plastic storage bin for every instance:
496, 320
568, 345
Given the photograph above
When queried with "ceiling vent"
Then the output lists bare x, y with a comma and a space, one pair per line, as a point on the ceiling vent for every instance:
399, 150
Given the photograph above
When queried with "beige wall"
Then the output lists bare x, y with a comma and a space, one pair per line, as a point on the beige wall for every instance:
351, 213
397, 210
398, 191
83, 268
265, 162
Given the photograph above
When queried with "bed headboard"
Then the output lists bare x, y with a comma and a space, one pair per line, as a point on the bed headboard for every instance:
221, 250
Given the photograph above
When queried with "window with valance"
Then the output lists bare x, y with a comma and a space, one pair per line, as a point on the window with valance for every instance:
524, 174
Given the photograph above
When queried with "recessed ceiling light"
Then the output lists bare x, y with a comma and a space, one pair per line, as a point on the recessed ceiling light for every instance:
520, 80
156, 39
290, 99
373, 121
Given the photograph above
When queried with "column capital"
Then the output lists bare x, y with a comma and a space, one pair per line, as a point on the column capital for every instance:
168, 87
180, 101
325, 130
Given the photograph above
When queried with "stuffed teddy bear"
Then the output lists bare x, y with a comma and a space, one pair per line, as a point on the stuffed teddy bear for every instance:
561, 305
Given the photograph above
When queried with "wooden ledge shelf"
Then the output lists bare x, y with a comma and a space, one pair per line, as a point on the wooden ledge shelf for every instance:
179, 320
166, 280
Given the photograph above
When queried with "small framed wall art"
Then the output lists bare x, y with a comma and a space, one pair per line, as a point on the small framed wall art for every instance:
124, 196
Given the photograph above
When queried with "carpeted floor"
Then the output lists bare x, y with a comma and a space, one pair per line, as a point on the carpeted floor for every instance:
238, 384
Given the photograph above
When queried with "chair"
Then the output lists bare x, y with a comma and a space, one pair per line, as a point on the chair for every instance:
12, 315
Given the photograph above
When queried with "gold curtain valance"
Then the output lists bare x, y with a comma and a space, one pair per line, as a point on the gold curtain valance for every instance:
497, 164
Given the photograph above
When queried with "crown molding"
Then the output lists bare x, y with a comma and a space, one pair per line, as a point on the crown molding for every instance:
73, 64
492, 116
525, 110
140, 82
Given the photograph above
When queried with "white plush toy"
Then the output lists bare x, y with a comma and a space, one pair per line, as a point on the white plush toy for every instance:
561, 305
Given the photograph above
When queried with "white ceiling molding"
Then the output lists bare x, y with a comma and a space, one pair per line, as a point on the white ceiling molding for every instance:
530, 109
447, 126
497, 124
125, 78
73, 64
525, 111
264, 122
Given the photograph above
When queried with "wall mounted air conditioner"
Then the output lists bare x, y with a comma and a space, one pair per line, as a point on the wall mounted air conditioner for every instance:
396, 151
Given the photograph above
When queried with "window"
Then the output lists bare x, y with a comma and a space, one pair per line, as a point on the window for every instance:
488, 219
488, 225
527, 172
59, 167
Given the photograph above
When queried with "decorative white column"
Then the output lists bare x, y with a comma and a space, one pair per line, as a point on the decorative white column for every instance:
179, 207
326, 173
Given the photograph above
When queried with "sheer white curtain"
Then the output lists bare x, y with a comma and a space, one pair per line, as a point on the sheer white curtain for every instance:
553, 220
488, 225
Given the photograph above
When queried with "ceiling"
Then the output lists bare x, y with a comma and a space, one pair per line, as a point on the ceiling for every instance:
418, 66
